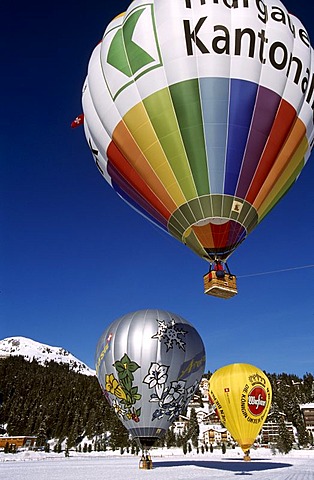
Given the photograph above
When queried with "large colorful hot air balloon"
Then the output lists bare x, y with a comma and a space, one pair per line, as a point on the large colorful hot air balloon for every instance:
242, 395
200, 114
149, 364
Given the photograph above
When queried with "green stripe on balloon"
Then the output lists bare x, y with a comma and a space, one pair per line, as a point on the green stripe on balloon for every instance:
159, 108
186, 101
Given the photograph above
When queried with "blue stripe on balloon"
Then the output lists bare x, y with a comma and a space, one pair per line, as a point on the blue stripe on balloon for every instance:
215, 103
241, 108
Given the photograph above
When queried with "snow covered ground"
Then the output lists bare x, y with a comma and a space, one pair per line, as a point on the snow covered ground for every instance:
168, 465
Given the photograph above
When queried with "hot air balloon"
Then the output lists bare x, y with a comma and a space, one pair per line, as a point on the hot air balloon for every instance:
242, 396
149, 364
200, 116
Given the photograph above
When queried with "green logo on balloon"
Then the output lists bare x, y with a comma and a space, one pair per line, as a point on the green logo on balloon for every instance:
125, 54
133, 48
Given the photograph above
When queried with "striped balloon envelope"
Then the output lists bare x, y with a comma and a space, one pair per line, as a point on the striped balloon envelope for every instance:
199, 113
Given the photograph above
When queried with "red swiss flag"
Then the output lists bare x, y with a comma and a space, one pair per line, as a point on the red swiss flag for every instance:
78, 121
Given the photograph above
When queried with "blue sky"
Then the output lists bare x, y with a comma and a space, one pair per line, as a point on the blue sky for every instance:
74, 256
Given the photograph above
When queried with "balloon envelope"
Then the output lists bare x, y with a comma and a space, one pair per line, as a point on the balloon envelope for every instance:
242, 395
200, 115
149, 364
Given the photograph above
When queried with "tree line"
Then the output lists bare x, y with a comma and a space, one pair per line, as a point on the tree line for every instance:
53, 402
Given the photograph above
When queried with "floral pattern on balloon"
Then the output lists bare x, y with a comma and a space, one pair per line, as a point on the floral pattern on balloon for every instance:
171, 398
125, 393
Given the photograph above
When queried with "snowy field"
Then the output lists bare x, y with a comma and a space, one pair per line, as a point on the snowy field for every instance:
168, 465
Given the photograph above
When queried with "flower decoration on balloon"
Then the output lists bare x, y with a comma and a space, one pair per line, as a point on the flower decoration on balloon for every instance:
126, 394
170, 397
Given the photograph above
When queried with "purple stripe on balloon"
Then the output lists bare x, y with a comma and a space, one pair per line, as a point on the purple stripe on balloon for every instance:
127, 192
237, 233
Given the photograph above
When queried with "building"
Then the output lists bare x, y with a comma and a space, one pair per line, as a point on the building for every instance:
203, 388
307, 410
180, 425
215, 435
270, 429
17, 442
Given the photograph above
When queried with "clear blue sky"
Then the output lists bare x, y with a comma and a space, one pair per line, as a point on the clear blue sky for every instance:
74, 257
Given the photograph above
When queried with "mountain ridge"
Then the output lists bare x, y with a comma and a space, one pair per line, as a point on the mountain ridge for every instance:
42, 353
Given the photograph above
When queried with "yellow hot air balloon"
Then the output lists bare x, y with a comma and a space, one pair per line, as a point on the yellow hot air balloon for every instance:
242, 395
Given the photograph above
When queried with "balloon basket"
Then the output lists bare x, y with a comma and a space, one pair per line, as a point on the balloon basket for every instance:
146, 463
225, 287
247, 457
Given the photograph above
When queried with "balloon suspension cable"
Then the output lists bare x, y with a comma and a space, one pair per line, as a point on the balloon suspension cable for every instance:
275, 271
227, 268
223, 262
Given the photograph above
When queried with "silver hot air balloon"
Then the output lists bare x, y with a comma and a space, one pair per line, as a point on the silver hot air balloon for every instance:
149, 364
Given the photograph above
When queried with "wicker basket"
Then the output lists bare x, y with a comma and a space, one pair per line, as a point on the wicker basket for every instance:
220, 287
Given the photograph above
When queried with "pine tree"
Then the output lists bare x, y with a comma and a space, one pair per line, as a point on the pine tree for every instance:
284, 440
170, 438
42, 435
193, 428
119, 435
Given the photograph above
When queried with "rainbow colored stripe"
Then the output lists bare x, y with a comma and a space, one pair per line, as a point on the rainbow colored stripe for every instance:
207, 149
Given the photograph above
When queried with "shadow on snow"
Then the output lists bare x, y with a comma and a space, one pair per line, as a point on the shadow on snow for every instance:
239, 467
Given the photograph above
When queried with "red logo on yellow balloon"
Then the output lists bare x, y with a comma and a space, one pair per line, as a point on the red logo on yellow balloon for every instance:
257, 401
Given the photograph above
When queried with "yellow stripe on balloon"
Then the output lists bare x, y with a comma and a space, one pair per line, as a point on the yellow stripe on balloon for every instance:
140, 125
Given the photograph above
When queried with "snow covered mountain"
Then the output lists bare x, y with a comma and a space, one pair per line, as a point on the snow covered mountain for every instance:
29, 349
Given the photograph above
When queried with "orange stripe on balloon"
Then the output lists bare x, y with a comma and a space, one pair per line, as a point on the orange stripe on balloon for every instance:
204, 235
284, 120
288, 151
129, 149
132, 177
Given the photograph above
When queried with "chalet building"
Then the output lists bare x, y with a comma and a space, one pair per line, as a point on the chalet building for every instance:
180, 425
17, 442
269, 432
215, 435
203, 388
202, 417
307, 410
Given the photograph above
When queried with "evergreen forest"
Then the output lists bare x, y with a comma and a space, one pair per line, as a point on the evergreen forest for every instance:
53, 402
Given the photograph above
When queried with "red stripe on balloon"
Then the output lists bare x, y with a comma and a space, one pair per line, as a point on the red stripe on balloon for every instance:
282, 125
220, 234
132, 177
